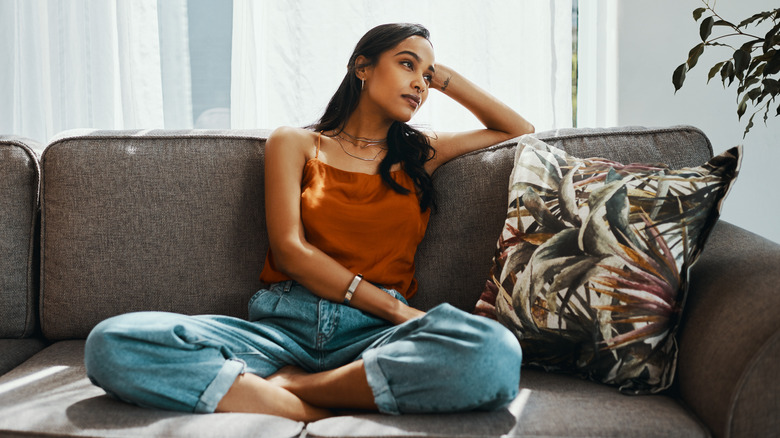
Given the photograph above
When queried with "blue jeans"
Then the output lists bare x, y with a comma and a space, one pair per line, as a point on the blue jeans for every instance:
446, 361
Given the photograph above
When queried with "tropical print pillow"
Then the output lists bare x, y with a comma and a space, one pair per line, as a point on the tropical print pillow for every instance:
591, 269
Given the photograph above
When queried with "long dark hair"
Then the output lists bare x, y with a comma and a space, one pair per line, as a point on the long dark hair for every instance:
405, 144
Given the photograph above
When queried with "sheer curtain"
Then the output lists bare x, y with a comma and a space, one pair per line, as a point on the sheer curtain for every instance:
597, 64
116, 64
97, 64
289, 57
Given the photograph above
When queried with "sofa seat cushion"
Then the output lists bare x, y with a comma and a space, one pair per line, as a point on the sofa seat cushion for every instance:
548, 405
51, 395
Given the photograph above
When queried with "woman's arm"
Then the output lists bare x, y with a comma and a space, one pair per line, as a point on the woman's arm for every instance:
501, 122
286, 152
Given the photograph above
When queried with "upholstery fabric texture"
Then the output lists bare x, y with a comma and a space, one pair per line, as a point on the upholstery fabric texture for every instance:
51, 395
591, 269
548, 405
174, 220
19, 189
166, 220
16, 351
731, 319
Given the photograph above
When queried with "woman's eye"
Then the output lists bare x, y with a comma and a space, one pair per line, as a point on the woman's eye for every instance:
407, 64
428, 79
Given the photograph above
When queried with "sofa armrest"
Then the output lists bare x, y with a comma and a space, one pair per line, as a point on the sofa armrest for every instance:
730, 334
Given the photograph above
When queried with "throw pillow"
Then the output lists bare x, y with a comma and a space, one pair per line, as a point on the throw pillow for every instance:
591, 269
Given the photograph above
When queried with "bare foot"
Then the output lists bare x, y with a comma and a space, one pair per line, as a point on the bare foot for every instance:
254, 394
345, 387
287, 377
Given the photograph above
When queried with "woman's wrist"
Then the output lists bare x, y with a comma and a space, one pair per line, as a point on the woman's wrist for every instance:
375, 301
442, 78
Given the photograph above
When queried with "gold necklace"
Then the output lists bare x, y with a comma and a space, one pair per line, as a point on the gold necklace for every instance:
368, 141
339, 138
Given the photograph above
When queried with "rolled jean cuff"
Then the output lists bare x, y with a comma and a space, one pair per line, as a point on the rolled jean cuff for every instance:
383, 397
220, 385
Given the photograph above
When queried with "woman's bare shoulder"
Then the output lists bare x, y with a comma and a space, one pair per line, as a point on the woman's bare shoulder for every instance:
291, 133
290, 137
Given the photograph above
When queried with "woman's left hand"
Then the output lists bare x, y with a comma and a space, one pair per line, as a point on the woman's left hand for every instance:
501, 122
441, 78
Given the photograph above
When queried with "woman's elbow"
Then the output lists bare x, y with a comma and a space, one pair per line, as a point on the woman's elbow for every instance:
288, 256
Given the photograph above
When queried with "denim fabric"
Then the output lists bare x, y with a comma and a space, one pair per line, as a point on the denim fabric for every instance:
446, 361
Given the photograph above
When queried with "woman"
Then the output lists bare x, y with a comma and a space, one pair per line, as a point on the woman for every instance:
347, 203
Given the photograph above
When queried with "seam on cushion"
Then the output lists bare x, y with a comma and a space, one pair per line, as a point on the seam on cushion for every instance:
126, 135
594, 132
744, 378
671, 129
42, 261
29, 317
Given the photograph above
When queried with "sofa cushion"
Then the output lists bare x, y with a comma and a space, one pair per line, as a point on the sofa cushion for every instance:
592, 266
454, 259
150, 220
51, 395
549, 405
19, 188
731, 318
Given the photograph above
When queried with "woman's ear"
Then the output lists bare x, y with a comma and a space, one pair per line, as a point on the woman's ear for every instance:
361, 67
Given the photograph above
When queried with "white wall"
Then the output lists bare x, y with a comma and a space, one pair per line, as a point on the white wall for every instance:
653, 38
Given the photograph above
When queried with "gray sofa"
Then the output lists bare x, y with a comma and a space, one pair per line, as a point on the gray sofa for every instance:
107, 222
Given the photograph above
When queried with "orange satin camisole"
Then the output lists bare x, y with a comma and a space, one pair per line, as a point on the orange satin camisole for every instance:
362, 223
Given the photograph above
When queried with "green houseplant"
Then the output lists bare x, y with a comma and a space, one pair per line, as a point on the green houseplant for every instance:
754, 44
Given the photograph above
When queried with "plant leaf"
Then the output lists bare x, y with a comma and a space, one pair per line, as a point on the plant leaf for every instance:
749, 82
706, 28
750, 123
770, 35
748, 46
697, 13
678, 77
727, 72
761, 15
714, 70
741, 62
773, 65
693, 55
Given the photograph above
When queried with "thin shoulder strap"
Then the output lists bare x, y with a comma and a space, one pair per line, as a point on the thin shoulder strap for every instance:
319, 140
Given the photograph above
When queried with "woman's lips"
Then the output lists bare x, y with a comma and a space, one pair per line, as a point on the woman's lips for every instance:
413, 100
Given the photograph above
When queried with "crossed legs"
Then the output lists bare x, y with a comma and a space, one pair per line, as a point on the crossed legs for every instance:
446, 361
295, 394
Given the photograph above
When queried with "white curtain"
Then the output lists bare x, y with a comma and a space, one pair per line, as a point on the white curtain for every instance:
290, 56
93, 64
597, 59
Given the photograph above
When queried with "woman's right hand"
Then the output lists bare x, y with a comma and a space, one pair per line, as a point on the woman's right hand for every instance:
406, 313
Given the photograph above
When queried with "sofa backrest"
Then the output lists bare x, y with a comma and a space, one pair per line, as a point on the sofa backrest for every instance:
149, 220
175, 221
454, 260
19, 189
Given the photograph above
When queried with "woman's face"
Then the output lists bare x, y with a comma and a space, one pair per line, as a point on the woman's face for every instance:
398, 83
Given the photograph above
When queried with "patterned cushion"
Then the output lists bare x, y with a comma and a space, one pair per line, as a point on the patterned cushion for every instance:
591, 268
